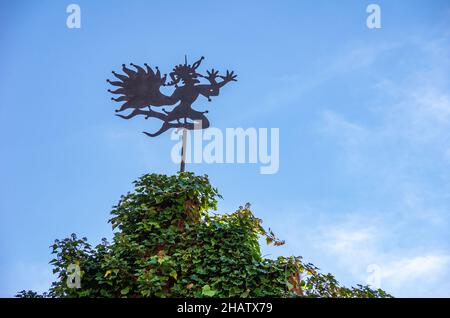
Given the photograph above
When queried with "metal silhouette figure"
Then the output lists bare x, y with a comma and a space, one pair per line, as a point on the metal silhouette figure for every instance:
140, 90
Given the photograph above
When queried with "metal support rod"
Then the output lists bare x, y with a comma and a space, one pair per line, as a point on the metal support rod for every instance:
183, 151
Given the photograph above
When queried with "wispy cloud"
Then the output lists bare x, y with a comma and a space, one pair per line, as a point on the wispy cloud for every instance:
400, 155
358, 244
406, 146
414, 271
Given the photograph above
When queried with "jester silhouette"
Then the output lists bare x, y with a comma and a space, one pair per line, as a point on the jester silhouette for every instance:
140, 91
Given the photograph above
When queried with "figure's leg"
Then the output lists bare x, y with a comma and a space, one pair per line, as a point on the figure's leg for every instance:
199, 117
194, 115
190, 126
166, 126
148, 113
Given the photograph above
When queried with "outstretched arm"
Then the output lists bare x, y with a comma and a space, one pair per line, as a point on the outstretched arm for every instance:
170, 100
214, 87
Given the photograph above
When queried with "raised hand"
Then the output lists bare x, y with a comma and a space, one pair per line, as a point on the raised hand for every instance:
212, 75
229, 77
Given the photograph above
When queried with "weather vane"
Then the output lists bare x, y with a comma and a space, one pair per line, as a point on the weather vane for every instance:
140, 90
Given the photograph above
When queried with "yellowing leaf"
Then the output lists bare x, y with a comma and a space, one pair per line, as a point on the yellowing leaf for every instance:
108, 272
174, 275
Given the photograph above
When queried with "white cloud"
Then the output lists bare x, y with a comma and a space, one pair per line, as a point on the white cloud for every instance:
405, 150
351, 242
404, 153
399, 156
414, 271
356, 244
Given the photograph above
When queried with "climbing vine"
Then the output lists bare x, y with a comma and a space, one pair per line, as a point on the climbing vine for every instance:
169, 242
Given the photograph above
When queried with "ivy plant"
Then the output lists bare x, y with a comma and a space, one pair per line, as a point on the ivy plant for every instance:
169, 242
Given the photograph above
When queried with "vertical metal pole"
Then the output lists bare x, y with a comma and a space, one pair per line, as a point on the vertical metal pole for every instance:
183, 151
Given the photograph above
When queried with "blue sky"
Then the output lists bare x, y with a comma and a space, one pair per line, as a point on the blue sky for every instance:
364, 119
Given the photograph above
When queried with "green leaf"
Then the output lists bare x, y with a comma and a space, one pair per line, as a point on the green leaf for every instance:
207, 291
125, 291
